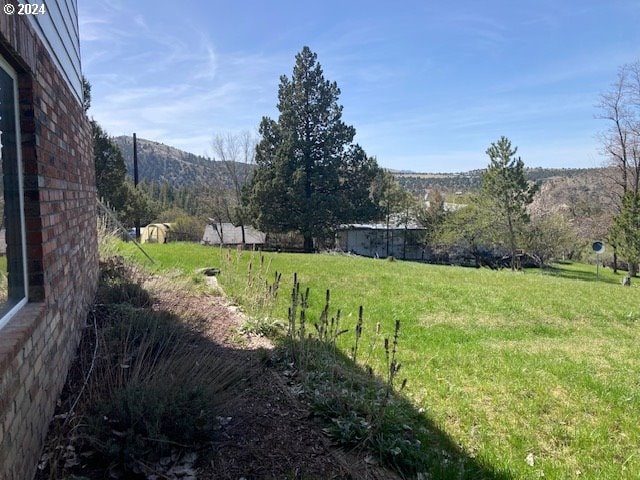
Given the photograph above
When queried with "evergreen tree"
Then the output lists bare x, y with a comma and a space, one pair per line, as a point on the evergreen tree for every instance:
507, 193
86, 94
111, 181
309, 176
626, 230
137, 205
110, 169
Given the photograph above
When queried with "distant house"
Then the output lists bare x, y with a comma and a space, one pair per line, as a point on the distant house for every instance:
216, 233
447, 206
402, 241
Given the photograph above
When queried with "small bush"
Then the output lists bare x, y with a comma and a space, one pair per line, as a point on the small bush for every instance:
117, 285
156, 384
148, 421
265, 327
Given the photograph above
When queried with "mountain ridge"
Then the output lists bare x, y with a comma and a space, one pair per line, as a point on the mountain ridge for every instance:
160, 162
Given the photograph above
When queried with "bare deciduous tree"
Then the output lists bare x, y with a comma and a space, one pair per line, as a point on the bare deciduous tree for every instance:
620, 107
236, 151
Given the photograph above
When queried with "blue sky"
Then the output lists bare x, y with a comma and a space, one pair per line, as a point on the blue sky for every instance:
428, 85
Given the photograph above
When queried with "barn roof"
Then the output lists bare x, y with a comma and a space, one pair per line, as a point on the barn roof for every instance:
411, 225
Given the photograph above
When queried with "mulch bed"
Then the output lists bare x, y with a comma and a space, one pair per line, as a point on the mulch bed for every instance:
266, 432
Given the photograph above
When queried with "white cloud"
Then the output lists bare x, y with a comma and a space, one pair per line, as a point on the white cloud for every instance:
171, 86
174, 83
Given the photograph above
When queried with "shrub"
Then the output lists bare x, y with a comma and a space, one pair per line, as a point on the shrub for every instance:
154, 384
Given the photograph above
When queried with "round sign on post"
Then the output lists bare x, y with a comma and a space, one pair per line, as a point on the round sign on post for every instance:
598, 247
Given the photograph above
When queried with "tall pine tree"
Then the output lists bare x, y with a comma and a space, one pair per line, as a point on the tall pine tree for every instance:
309, 175
507, 193
626, 230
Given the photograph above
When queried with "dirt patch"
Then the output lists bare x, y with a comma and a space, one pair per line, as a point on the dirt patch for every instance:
270, 432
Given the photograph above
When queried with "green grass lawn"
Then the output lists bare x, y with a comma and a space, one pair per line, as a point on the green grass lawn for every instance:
541, 365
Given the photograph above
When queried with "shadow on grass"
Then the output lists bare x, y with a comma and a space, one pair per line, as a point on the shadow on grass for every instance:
161, 388
564, 271
359, 412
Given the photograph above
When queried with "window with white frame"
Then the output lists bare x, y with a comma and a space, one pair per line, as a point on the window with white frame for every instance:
13, 264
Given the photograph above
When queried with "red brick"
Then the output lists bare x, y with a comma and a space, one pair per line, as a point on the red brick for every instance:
36, 346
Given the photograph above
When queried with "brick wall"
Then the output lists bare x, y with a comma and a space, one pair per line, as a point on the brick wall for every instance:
37, 345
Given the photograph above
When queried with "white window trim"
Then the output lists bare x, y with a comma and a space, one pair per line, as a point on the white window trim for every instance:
21, 303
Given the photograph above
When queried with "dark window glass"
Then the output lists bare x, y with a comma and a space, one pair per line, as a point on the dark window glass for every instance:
12, 261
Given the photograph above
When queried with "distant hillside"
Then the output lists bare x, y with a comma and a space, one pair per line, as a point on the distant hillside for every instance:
464, 182
587, 196
446, 183
158, 162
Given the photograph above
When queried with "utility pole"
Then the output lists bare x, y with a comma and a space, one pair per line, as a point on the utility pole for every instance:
135, 181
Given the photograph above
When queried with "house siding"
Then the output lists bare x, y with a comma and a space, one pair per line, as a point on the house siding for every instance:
58, 31
38, 344
372, 242
231, 235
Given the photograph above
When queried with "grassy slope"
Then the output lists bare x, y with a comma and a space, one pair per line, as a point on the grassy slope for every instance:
507, 364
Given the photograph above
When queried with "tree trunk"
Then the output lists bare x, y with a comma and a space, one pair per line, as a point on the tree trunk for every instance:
404, 245
308, 243
512, 241
615, 260
244, 240
387, 230
220, 233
